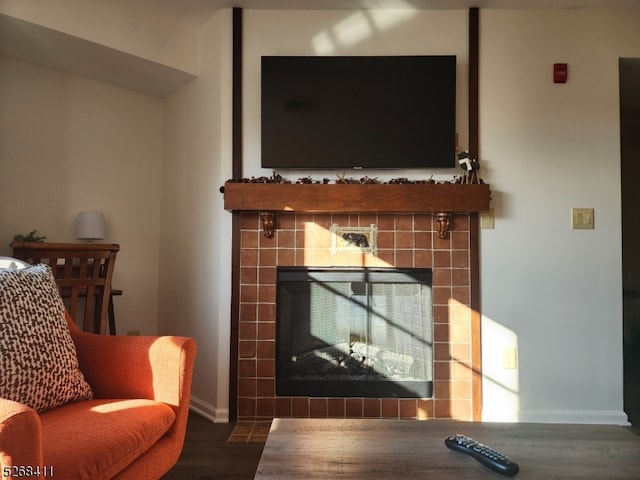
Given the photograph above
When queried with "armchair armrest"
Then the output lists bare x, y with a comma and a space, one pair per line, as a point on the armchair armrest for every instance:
20, 435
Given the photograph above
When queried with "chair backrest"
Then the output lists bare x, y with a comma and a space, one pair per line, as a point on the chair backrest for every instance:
83, 271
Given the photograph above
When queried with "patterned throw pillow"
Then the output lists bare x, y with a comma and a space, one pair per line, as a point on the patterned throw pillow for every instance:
38, 363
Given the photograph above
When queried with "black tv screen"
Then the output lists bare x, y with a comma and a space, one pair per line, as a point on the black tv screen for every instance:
358, 112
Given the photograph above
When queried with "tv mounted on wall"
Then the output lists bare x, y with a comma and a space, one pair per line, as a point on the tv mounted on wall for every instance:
358, 112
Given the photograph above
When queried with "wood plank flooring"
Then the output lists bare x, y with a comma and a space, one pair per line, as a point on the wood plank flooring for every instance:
208, 455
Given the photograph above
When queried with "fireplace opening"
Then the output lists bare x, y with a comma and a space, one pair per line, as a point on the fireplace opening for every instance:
354, 332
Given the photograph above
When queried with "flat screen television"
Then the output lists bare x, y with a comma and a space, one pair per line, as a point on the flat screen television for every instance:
347, 112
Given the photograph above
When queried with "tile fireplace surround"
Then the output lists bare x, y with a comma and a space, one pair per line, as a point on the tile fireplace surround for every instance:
404, 240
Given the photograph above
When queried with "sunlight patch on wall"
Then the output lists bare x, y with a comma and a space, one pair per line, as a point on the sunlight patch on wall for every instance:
500, 371
358, 27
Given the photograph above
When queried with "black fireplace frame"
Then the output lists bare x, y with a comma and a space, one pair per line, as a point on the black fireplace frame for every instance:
370, 388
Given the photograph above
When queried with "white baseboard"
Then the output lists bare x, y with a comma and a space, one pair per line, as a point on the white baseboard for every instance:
209, 411
600, 417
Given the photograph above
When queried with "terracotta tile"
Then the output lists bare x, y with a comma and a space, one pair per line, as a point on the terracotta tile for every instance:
459, 222
268, 257
460, 240
372, 408
461, 390
250, 221
322, 221
265, 407
442, 408
423, 240
441, 258
441, 243
285, 239
266, 331
267, 312
459, 333
247, 331
249, 257
404, 222
354, 407
300, 407
267, 275
441, 370
385, 240
265, 368
386, 222
404, 258
246, 368
441, 352
461, 371
246, 408
286, 256
248, 312
247, 387
246, 349
283, 407
441, 313
441, 389
318, 408
442, 276
367, 219
265, 387
460, 259
249, 239
408, 408
422, 222
387, 256
440, 332
461, 294
342, 220
425, 409
462, 410
248, 293
266, 349
336, 407
460, 277
286, 221
441, 295
461, 352
301, 220
267, 293
248, 275
404, 240
390, 408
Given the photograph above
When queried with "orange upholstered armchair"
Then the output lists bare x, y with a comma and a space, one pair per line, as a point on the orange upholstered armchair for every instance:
133, 427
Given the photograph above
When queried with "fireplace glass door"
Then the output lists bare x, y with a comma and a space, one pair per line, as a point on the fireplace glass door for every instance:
354, 332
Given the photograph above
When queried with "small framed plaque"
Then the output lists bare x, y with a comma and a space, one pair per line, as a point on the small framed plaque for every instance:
348, 239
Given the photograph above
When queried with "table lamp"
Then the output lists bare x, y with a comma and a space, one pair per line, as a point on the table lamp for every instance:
90, 226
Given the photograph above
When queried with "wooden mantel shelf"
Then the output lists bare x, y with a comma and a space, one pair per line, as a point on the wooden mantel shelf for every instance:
352, 198
442, 199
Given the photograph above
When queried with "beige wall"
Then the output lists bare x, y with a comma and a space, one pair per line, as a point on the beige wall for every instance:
69, 144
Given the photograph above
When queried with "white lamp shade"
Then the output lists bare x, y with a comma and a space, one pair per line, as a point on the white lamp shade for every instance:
90, 226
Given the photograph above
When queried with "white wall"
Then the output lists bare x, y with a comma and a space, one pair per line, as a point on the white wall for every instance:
69, 144
553, 292
195, 260
333, 32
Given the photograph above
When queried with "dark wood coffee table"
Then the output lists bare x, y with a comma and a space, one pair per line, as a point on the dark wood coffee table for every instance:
408, 449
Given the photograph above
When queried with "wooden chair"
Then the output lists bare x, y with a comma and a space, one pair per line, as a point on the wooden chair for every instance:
82, 271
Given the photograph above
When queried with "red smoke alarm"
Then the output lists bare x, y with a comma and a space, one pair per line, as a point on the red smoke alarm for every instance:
560, 71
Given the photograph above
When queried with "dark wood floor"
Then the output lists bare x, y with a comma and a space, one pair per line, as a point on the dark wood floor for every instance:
207, 455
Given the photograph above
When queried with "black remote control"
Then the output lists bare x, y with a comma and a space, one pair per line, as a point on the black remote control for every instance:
487, 456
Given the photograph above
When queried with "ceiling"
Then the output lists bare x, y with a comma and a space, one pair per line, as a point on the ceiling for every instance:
39, 45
